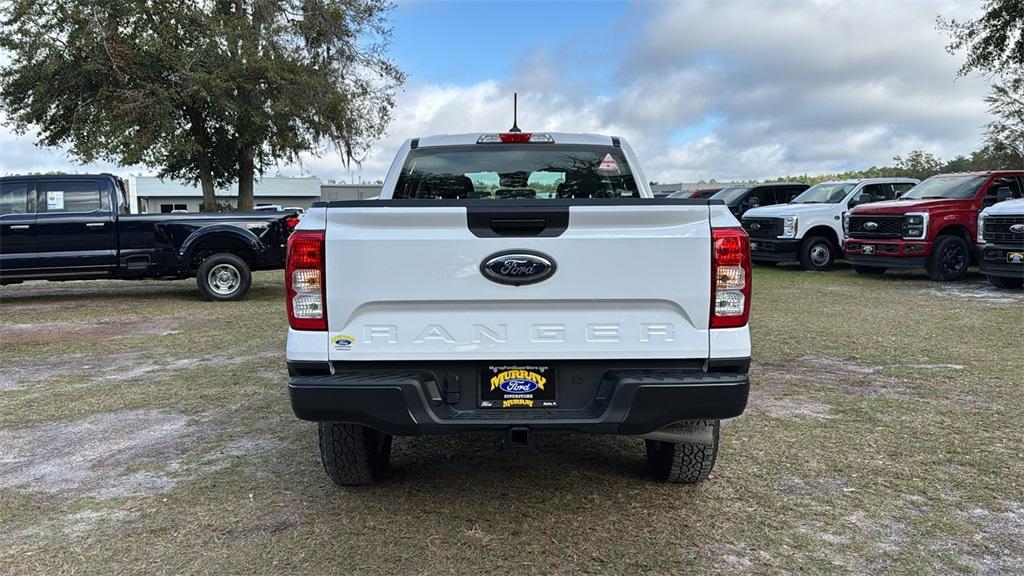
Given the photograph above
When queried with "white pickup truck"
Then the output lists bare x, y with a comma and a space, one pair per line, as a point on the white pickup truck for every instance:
809, 229
1001, 243
518, 283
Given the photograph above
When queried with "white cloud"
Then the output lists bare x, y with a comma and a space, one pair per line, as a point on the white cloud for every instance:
792, 87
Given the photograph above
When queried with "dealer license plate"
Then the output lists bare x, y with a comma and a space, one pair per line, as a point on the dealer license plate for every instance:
1015, 257
518, 386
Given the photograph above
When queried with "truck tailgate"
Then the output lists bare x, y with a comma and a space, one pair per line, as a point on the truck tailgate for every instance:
404, 282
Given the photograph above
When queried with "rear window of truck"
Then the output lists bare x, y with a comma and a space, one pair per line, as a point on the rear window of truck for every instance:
507, 171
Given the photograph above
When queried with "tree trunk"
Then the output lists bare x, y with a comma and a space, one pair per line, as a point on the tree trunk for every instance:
246, 173
201, 136
206, 180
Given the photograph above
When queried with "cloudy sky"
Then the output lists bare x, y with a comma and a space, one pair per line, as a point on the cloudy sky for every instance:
716, 89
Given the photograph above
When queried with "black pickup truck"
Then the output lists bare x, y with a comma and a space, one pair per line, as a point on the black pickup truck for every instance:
78, 227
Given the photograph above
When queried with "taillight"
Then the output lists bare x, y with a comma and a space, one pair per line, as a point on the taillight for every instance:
730, 278
290, 222
305, 292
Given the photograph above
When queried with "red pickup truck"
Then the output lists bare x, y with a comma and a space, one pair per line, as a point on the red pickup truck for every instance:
932, 226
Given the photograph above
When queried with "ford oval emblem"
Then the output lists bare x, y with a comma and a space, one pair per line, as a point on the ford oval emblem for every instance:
755, 226
870, 225
518, 386
1017, 228
517, 267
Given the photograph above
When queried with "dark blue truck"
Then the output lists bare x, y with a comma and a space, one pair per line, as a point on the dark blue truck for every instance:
78, 227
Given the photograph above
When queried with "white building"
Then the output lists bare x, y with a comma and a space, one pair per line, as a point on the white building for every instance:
153, 195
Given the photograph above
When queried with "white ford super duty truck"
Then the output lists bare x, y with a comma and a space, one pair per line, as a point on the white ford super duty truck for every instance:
518, 284
809, 229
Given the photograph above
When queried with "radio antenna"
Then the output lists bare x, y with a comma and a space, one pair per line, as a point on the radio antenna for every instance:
515, 113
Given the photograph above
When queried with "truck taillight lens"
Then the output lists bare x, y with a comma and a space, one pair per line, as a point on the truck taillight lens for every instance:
730, 278
306, 295
290, 222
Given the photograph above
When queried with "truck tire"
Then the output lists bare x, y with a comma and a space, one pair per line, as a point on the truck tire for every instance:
352, 454
869, 270
1006, 282
951, 256
683, 463
223, 276
817, 254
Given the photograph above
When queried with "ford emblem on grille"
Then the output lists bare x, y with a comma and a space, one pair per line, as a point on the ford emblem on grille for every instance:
518, 267
870, 225
755, 226
1017, 228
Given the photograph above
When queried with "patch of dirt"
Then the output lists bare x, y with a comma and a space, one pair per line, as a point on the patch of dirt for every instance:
787, 407
119, 366
846, 376
55, 332
88, 520
885, 535
124, 453
78, 524
22, 372
977, 292
1002, 535
799, 486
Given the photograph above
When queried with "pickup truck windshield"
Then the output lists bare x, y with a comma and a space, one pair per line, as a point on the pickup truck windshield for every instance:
946, 187
824, 193
504, 171
730, 195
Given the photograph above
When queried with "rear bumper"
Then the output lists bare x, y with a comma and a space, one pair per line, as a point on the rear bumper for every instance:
773, 250
625, 398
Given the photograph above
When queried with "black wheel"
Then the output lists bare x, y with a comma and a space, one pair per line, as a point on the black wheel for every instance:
950, 258
353, 455
223, 276
869, 270
1006, 282
817, 253
684, 463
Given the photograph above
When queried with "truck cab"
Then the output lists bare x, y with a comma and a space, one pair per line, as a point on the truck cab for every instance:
739, 199
933, 226
1001, 244
809, 229
63, 224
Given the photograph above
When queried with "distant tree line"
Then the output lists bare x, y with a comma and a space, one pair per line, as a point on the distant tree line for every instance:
920, 164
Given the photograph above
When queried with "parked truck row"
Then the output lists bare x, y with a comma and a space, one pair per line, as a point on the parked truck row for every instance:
941, 225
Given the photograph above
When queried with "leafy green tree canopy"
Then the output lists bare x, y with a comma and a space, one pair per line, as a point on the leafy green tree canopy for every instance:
994, 42
210, 91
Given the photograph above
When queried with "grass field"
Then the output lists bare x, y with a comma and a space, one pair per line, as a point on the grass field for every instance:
142, 430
